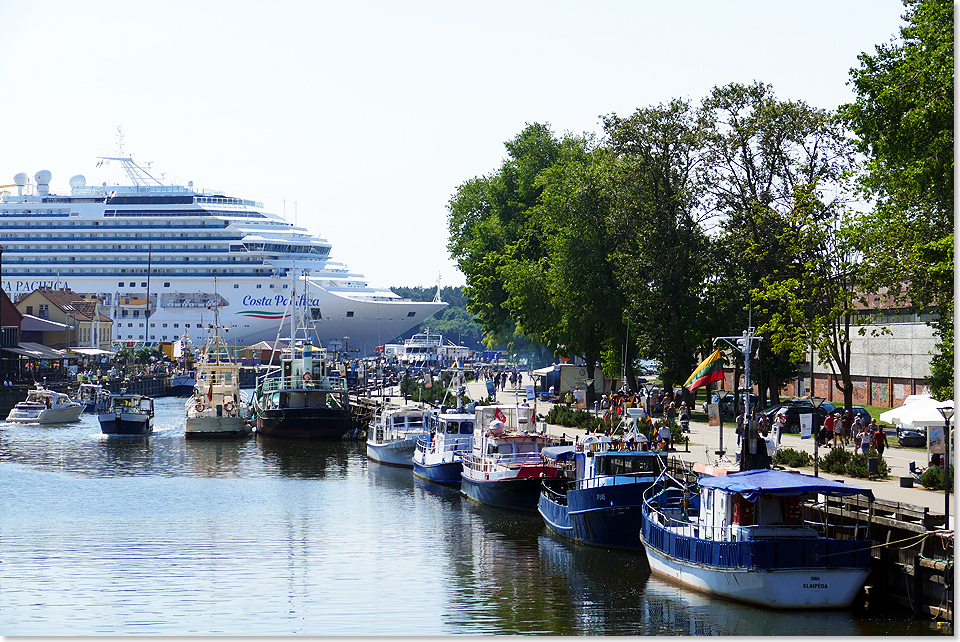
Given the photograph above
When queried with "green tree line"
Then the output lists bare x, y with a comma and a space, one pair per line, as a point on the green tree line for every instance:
688, 220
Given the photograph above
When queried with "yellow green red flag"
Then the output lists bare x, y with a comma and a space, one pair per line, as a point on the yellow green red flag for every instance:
710, 370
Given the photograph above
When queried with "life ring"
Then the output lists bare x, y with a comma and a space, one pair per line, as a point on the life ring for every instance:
228, 406
199, 406
307, 378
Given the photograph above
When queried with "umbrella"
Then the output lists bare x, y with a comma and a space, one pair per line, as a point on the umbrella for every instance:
922, 412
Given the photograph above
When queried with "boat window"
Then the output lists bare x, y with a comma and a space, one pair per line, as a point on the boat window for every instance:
453, 427
466, 427
415, 422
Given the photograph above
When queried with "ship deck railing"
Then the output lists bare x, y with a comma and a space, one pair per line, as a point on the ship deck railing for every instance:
493, 462
275, 384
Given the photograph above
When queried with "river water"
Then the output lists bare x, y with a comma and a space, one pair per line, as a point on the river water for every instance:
158, 535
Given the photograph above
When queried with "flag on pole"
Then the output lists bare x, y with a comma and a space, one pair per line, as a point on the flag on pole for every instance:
710, 370
498, 414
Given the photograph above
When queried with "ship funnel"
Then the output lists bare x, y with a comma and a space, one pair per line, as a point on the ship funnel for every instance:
43, 182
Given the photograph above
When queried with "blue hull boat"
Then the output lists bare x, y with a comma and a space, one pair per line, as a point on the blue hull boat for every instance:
438, 456
603, 504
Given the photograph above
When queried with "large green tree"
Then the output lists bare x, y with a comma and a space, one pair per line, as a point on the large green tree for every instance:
659, 246
903, 118
771, 170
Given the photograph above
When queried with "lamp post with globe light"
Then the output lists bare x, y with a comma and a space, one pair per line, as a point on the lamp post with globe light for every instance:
947, 413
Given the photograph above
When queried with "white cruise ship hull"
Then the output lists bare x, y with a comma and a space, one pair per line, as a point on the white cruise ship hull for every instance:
160, 258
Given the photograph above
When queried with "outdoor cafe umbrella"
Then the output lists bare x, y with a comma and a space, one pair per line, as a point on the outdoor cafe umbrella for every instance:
922, 412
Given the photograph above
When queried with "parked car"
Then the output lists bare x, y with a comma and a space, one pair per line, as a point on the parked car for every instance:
726, 408
794, 410
914, 436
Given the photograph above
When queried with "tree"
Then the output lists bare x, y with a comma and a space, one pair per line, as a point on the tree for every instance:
903, 117
659, 246
488, 222
769, 166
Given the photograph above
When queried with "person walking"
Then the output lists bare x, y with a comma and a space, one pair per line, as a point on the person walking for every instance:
740, 421
879, 437
865, 438
846, 425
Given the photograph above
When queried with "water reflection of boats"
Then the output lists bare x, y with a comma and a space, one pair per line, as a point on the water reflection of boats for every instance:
304, 457
684, 612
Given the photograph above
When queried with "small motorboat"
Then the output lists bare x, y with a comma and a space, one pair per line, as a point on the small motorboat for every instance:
393, 435
439, 454
43, 406
127, 414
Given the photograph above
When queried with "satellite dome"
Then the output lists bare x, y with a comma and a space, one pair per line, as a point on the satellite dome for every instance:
78, 181
21, 179
43, 177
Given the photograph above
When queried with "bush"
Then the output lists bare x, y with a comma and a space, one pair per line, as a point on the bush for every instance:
791, 457
932, 478
571, 418
835, 461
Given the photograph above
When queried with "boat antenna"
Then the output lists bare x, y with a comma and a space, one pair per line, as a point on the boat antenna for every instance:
436, 297
137, 175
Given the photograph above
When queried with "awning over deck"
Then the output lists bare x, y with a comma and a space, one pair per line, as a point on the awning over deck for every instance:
754, 483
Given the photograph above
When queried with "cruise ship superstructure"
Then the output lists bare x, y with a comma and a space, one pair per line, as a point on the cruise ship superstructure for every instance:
150, 252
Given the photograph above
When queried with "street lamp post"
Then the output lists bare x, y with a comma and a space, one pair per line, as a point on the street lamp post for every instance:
721, 395
817, 402
947, 413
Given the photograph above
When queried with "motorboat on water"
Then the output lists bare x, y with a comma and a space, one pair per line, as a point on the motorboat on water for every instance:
759, 536
43, 406
438, 456
183, 383
505, 466
127, 414
393, 434
602, 503
147, 250
93, 396
301, 398
217, 408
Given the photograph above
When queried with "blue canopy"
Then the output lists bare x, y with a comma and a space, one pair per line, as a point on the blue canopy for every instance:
558, 453
754, 483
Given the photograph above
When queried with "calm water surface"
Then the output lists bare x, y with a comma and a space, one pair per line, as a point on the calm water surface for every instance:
158, 535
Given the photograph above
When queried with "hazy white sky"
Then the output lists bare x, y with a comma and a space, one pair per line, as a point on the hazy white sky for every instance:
360, 118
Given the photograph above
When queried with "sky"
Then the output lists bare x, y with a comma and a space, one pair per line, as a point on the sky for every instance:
359, 119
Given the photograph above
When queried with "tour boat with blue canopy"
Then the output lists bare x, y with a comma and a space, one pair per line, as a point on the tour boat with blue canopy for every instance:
765, 537
602, 504
439, 454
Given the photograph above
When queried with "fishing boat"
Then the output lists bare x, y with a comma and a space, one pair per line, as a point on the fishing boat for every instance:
439, 455
93, 396
505, 466
759, 536
127, 414
183, 383
43, 406
301, 398
393, 434
602, 505
216, 408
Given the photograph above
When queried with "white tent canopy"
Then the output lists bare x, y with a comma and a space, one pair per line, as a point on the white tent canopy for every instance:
922, 412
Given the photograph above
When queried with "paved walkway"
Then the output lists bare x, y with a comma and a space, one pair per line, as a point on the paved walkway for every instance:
705, 441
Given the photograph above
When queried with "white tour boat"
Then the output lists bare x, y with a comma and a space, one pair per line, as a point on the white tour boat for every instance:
393, 434
439, 454
744, 536
44, 406
149, 252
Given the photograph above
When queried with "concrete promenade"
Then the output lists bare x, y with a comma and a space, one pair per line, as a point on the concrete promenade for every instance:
705, 441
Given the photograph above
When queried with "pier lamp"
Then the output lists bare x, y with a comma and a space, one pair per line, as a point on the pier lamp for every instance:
947, 413
817, 402
721, 395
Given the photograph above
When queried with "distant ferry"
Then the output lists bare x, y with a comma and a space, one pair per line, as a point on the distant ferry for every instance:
150, 252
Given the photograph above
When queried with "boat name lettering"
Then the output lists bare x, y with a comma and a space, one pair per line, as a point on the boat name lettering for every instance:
278, 300
30, 286
815, 586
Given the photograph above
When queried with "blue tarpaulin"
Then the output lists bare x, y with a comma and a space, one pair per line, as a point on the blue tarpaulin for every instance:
558, 453
754, 483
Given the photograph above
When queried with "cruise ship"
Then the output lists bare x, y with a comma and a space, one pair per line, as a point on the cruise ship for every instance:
161, 257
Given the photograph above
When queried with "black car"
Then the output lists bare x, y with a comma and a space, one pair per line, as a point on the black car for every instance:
793, 411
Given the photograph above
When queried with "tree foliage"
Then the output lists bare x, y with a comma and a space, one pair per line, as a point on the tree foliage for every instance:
903, 117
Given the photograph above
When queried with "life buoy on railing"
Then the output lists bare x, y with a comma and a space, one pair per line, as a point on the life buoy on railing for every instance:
199, 406
307, 377
228, 406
